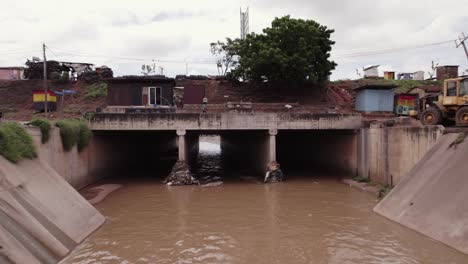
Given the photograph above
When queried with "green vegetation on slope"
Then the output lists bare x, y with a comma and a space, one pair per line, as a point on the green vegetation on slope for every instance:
15, 143
402, 86
96, 90
45, 127
74, 132
361, 179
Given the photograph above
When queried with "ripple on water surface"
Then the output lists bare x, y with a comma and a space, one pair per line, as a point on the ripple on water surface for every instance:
299, 221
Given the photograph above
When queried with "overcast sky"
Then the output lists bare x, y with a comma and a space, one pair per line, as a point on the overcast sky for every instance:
177, 31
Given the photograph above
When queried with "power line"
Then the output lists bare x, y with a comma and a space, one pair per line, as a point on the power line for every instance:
62, 52
393, 50
83, 54
461, 42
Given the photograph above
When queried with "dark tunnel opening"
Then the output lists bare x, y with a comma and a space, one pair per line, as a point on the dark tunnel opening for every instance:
149, 154
317, 153
231, 155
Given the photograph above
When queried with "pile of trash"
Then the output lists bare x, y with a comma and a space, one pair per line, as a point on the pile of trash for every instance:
274, 173
180, 175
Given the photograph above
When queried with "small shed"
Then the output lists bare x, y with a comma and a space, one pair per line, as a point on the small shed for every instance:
375, 98
11, 73
389, 75
404, 103
405, 76
446, 72
140, 91
371, 71
39, 98
418, 76
424, 90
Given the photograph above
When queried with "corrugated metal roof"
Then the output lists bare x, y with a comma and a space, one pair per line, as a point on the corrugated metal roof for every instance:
375, 87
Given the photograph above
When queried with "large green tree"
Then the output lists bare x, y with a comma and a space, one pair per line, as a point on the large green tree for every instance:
291, 50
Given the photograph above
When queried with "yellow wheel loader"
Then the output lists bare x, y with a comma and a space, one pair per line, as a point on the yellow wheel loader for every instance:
451, 104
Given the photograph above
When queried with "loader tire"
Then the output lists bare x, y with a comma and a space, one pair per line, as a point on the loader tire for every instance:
462, 116
431, 117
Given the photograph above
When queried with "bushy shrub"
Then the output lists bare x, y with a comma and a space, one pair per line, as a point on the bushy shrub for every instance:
96, 90
15, 143
45, 127
89, 77
84, 136
74, 132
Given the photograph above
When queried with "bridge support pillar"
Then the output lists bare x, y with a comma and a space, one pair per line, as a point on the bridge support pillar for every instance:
272, 145
181, 145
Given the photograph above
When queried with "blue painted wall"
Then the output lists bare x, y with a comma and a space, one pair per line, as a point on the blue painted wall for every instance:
370, 100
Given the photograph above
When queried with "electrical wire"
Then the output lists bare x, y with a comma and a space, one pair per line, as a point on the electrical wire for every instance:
75, 53
394, 50
58, 52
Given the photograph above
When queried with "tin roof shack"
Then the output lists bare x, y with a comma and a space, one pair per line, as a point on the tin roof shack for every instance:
389, 75
422, 91
418, 76
140, 91
405, 76
371, 72
375, 98
446, 72
11, 73
404, 103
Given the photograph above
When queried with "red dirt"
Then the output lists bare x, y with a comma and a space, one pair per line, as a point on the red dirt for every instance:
16, 100
16, 97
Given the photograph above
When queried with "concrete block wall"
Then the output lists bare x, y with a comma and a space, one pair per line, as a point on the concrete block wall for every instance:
387, 154
79, 169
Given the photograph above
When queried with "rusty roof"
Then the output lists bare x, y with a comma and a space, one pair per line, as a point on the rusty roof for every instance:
428, 88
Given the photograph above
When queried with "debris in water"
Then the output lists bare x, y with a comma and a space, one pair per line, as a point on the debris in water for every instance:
180, 175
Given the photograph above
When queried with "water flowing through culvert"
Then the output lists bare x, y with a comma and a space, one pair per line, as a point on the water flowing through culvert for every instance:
312, 219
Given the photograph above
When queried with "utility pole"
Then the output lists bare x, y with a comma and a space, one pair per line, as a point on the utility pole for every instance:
461, 42
46, 90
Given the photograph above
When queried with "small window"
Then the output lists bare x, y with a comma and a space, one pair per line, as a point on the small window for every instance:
464, 87
451, 88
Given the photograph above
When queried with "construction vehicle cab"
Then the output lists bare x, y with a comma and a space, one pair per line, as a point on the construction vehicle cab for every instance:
452, 104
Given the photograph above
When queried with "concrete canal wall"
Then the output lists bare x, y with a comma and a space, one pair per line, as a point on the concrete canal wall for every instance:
387, 154
77, 168
42, 217
432, 198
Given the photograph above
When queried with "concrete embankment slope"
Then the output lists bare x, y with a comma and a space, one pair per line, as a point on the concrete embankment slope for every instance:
433, 197
42, 217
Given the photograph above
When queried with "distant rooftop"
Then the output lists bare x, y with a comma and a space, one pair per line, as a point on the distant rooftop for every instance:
371, 67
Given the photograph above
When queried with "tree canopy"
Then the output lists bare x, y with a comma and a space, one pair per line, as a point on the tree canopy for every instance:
292, 50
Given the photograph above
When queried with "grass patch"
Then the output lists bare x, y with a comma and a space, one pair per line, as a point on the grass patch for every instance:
384, 190
96, 90
45, 127
74, 132
402, 86
361, 179
15, 143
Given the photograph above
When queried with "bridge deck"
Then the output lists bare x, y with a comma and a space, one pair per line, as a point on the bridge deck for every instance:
224, 121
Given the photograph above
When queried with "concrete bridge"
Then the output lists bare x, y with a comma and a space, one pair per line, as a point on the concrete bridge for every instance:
252, 136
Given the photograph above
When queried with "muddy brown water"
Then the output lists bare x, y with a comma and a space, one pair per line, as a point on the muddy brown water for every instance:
310, 219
